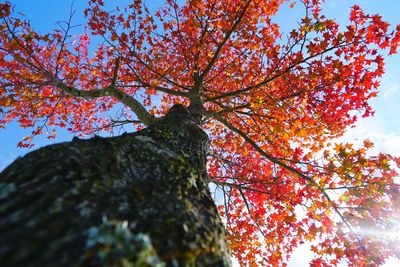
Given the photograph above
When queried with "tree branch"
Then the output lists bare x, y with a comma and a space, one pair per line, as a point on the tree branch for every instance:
115, 75
143, 115
279, 163
226, 38
270, 79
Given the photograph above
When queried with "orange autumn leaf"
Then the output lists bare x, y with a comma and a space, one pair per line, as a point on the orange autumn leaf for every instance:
271, 104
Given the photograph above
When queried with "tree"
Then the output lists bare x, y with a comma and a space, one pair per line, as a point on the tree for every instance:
99, 202
271, 104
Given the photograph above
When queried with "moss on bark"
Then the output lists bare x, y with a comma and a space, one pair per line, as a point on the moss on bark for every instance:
153, 183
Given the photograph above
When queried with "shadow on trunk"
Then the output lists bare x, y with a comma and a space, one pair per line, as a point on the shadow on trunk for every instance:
139, 199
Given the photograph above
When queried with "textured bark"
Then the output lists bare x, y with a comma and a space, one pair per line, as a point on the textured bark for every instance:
139, 199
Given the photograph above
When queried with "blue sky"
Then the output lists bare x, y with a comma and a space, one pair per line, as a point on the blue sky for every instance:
383, 128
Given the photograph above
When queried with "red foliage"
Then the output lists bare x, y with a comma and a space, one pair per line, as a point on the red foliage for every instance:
271, 105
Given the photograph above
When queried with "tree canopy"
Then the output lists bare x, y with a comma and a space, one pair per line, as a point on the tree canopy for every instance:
273, 106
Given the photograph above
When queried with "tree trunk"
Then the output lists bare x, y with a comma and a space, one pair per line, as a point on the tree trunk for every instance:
139, 199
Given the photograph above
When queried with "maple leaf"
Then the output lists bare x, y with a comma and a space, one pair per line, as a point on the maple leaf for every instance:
270, 105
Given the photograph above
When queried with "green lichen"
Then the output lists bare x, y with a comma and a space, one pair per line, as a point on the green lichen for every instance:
6, 189
155, 178
57, 206
112, 243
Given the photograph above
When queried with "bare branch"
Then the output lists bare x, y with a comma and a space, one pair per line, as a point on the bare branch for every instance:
143, 115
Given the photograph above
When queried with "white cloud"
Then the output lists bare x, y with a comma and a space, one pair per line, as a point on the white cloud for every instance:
391, 90
301, 256
374, 129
